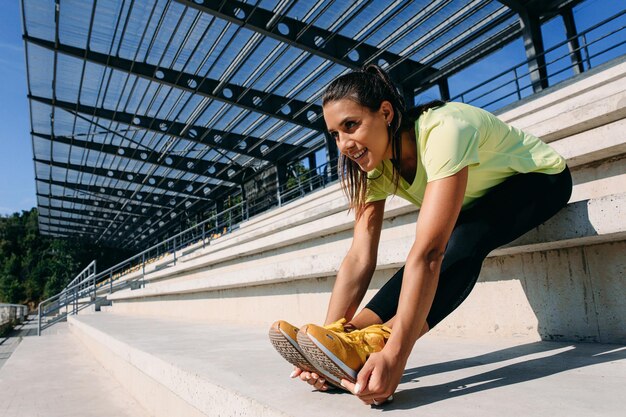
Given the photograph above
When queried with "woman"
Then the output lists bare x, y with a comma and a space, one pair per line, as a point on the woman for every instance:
479, 184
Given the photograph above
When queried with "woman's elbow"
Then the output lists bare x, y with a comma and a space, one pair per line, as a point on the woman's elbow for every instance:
430, 258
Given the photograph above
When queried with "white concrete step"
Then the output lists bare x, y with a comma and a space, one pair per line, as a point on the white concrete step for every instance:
54, 376
307, 252
181, 368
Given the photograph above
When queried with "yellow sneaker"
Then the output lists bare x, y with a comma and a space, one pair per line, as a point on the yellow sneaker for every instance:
341, 354
283, 336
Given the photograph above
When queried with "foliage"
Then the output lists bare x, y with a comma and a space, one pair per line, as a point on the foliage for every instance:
297, 174
34, 267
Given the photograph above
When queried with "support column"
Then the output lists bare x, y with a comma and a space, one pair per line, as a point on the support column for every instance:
408, 94
574, 46
312, 161
281, 178
444, 89
331, 157
533, 43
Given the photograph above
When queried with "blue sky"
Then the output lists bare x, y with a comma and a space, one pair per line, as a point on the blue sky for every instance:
17, 180
17, 176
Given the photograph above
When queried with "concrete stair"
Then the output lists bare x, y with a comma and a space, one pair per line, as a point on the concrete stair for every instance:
55, 376
116, 365
183, 368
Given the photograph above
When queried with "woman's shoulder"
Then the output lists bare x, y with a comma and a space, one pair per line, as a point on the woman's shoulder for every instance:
452, 109
453, 115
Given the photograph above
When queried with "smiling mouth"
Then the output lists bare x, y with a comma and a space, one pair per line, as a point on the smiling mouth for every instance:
359, 154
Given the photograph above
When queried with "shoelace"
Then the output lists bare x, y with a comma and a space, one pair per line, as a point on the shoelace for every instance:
336, 326
359, 336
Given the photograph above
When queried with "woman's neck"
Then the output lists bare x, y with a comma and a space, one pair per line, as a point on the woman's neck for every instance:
408, 159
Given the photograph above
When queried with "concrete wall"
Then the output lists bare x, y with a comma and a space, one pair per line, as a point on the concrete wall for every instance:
10, 315
561, 281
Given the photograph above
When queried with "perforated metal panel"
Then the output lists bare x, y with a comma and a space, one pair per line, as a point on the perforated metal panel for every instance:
148, 110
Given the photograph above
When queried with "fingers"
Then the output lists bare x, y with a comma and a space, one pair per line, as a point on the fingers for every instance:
381, 402
314, 379
363, 378
296, 372
367, 387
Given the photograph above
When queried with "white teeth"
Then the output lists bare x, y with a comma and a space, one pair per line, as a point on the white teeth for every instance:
360, 154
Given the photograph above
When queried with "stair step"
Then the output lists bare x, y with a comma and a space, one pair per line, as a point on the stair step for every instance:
209, 369
54, 376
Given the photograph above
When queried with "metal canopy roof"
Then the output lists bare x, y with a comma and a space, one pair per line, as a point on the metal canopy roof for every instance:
143, 110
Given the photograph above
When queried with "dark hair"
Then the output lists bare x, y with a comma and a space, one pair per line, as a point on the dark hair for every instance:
369, 87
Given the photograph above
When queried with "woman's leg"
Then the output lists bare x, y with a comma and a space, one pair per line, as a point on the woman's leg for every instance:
511, 209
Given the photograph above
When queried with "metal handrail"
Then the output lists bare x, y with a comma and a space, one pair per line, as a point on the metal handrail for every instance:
70, 295
515, 70
84, 273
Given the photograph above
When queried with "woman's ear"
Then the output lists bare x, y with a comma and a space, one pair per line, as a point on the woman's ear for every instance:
387, 111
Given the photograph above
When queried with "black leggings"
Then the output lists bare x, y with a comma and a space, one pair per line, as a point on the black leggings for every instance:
509, 210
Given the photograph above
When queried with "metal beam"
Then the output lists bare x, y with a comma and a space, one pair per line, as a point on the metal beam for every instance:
263, 149
216, 170
332, 155
275, 106
474, 54
459, 43
515, 5
96, 204
65, 228
574, 46
533, 43
100, 216
121, 193
58, 233
314, 40
156, 181
131, 196
77, 221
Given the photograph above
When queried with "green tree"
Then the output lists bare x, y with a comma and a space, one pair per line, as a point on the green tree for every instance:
34, 267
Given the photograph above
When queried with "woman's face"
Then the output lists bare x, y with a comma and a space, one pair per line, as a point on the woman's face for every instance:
360, 133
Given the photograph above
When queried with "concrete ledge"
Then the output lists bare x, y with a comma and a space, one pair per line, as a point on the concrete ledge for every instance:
325, 212
586, 222
583, 223
221, 369
575, 106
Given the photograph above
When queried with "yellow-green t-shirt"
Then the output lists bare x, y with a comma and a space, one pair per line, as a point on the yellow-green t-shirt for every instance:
457, 135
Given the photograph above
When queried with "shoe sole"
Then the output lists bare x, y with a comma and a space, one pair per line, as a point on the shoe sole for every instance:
322, 358
291, 352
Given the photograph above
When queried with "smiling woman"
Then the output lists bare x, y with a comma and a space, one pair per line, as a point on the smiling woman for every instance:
363, 105
479, 184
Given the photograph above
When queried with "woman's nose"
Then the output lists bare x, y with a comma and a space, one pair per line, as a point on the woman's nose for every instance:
344, 142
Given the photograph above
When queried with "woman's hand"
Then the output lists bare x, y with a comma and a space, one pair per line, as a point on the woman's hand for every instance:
378, 379
311, 378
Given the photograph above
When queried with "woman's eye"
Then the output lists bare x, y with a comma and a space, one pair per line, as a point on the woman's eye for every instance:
350, 125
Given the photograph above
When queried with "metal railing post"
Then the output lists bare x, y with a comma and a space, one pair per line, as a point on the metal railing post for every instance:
517, 89
174, 248
587, 58
39, 320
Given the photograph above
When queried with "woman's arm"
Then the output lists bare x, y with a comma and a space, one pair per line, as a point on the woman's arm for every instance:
438, 214
357, 268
